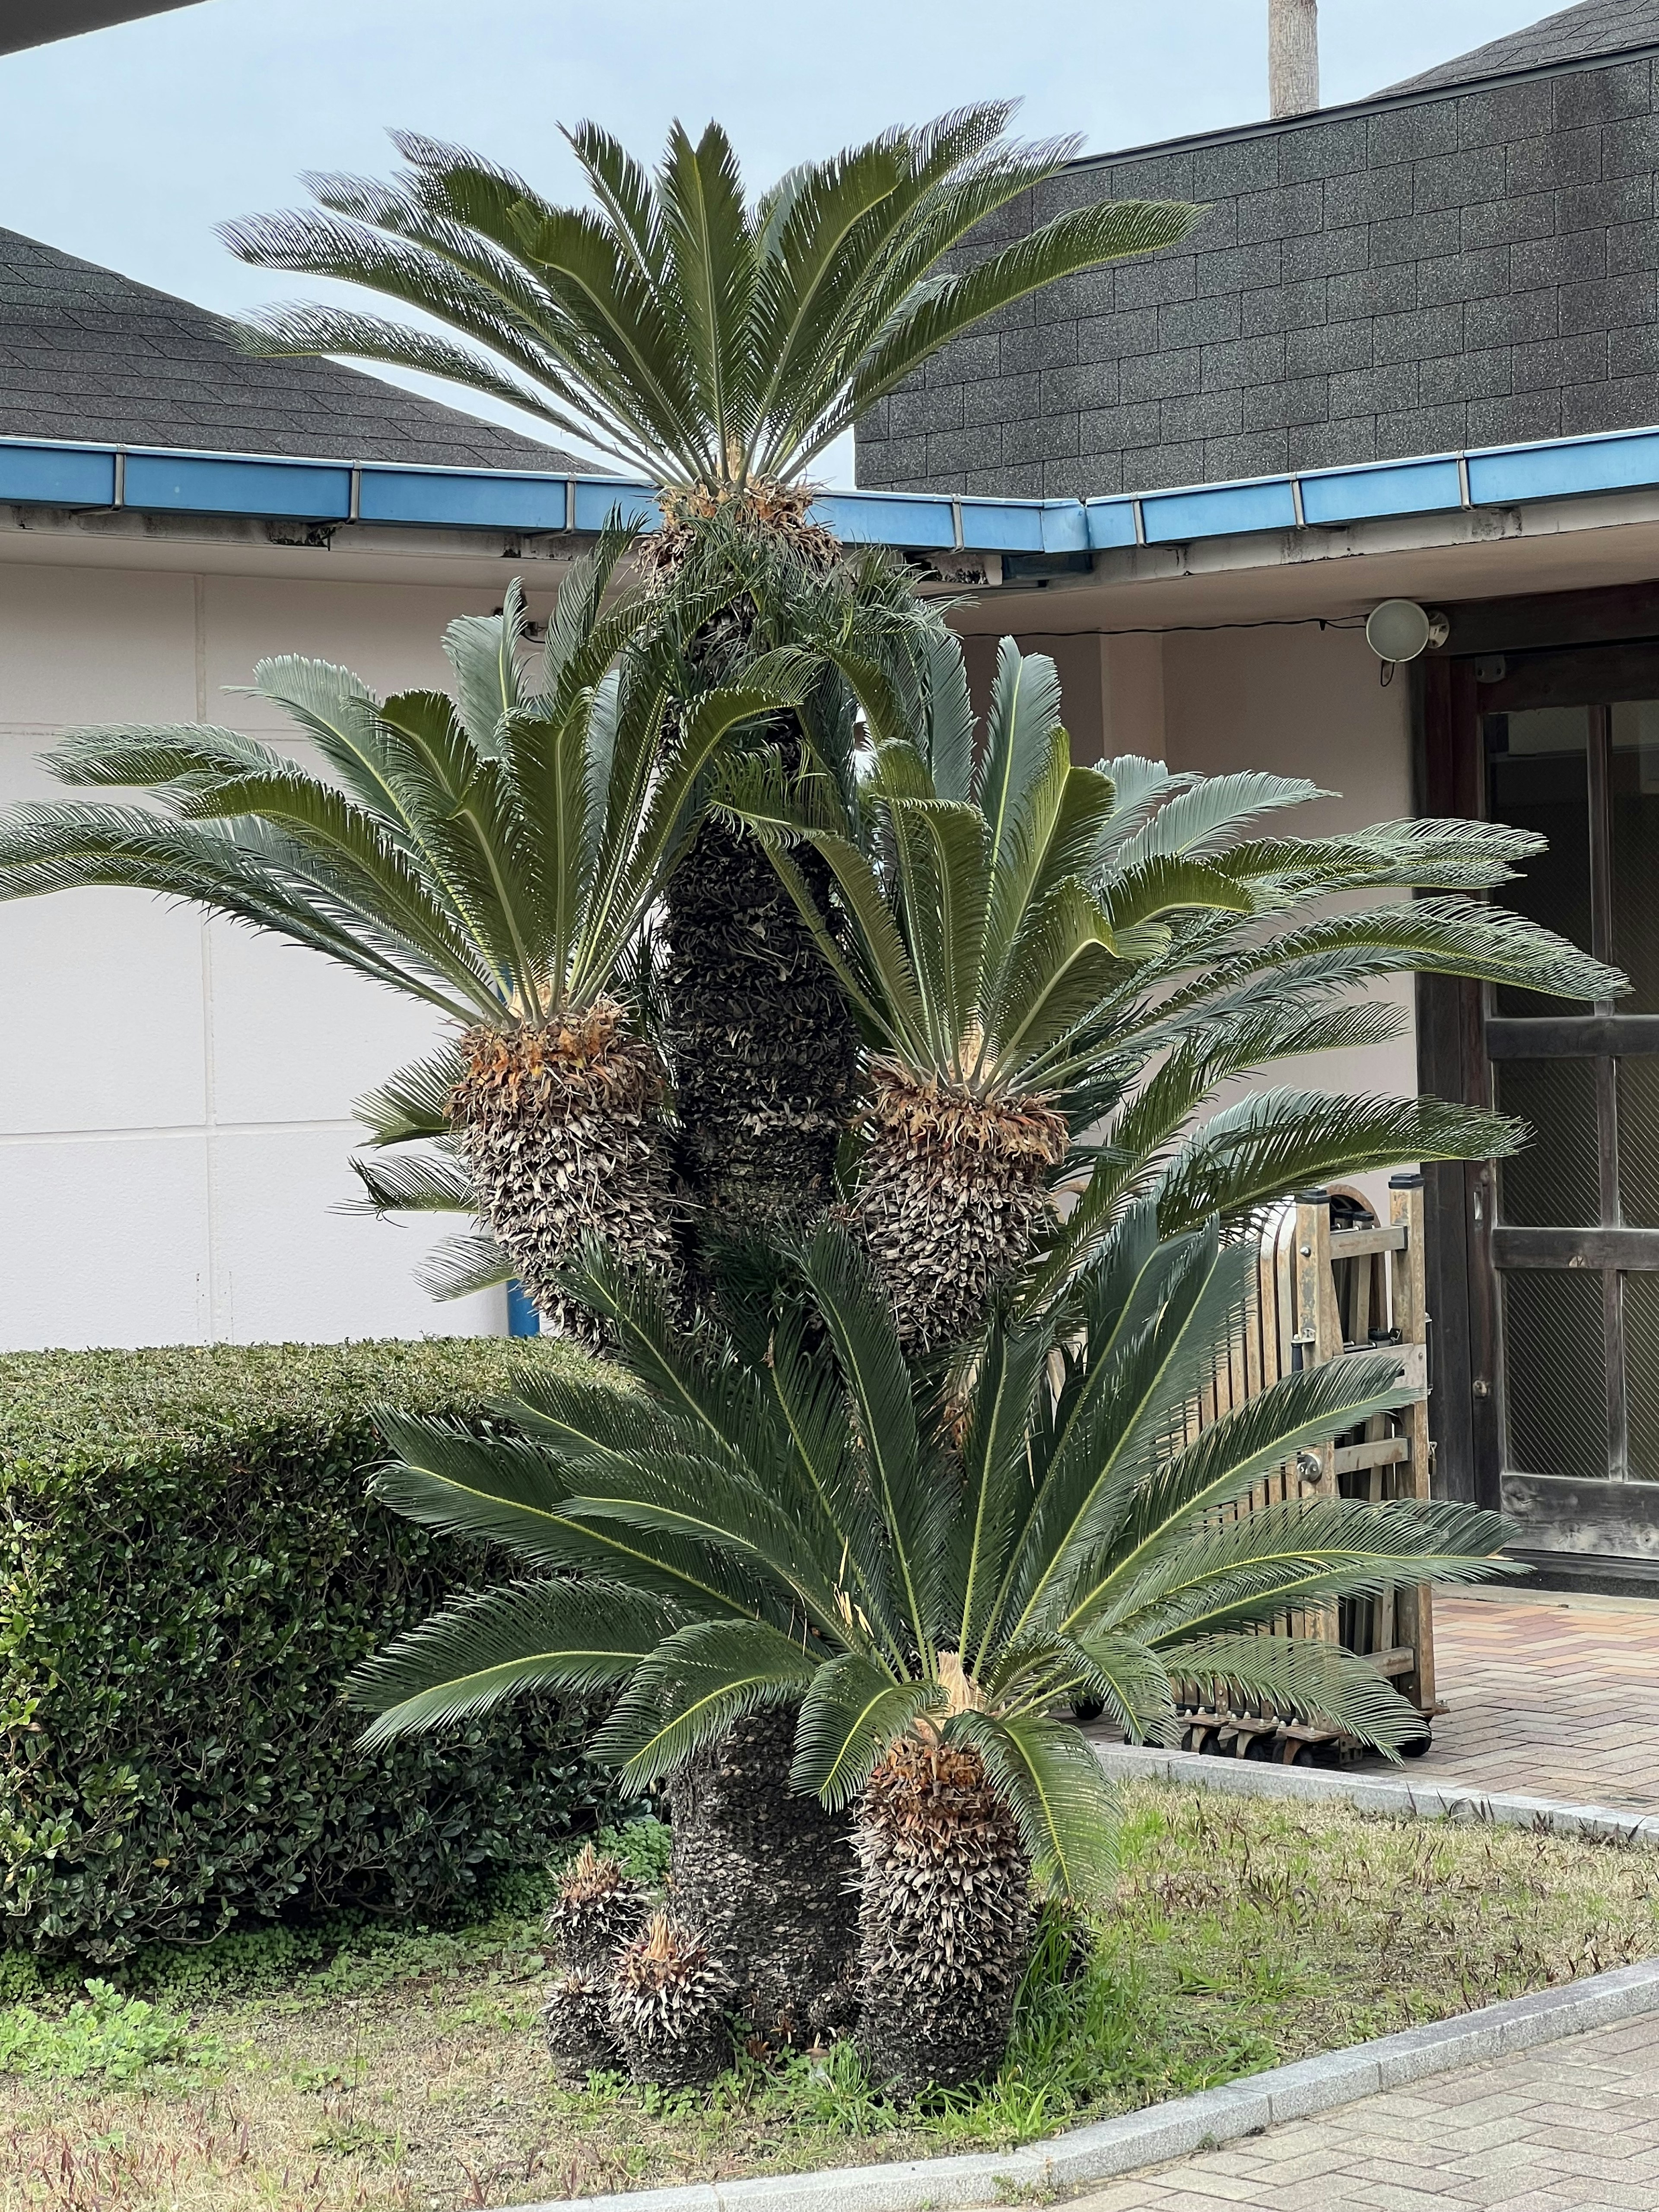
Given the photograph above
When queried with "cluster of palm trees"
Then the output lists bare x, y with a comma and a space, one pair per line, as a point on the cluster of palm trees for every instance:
840, 1069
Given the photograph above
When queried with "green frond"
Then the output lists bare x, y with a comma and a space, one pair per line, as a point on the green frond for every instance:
460, 1266
429, 1183
527, 1636
692, 1686
1299, 1679
851, 1715
1054, 1785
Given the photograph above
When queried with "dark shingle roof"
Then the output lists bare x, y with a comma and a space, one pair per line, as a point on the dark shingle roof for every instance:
1573, 34
87, 354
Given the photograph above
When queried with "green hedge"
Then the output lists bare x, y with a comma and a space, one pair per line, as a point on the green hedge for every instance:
188, 1568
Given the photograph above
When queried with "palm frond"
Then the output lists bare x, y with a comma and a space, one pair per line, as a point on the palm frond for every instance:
499, 1644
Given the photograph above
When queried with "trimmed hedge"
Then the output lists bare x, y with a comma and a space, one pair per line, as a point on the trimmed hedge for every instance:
188, 1566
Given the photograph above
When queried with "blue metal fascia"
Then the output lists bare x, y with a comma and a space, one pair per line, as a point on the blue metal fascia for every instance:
1111, 523
75, 473
1621, 462
1333, 496
57, 475
1065, 527
1220, 510
309, 491
873, 518
491, 499
596, 499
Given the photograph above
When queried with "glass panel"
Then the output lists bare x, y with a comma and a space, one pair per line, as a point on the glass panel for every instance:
1633, 773
1639, 1142
1554, 1181
1538, 777
1555, 1370
1642, 1375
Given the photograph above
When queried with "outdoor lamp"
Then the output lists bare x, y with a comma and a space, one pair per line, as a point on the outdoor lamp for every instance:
1399, 629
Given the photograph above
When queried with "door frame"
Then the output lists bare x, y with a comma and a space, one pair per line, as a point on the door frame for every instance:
1453, 1050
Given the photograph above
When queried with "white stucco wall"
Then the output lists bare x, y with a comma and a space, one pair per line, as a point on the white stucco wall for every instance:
175, 1094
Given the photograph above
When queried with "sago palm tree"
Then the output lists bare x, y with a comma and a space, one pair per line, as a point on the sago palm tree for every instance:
1056, 966
492, 856
778, 1514
715, 344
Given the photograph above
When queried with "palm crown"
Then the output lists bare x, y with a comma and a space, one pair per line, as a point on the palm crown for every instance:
492, 856
676, 326
781, 1513
1068, 961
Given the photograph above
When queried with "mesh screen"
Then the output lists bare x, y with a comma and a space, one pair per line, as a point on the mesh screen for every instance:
1639, 1142
1633, 776
1642, 1375
1538, 777
1555, 1372
1553, 1181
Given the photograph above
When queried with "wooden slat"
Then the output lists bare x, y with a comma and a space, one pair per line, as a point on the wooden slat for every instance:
1573, 1037
1353, 1243
1389, 1451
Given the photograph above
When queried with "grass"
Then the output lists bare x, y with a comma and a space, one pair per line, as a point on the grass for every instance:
365, 2070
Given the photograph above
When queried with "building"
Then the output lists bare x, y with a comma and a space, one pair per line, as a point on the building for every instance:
1411, 349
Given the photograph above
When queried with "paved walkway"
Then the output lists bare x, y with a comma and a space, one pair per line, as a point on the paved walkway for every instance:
1552, 1696
1573, 2127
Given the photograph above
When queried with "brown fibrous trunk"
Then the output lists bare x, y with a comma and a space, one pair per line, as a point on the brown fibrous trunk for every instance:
951, 1191
562, 1129
945, 1918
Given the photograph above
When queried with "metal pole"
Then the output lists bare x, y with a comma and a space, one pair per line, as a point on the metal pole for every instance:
1293, 57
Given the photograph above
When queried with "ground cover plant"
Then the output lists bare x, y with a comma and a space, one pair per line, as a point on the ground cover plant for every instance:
349, 2070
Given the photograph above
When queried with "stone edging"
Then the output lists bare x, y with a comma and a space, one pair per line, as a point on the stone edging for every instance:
1395, 1793
1108, 2148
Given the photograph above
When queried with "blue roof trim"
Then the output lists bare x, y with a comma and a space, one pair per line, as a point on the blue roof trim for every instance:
1218, 511
1390, 487
1564, 466
57, 475
62, 473
180, 483
486, 500
1111, 523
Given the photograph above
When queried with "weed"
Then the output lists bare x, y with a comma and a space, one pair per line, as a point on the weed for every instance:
102, 2034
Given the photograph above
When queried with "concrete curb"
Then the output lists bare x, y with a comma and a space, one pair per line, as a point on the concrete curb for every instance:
1372, 1793
1109, 2147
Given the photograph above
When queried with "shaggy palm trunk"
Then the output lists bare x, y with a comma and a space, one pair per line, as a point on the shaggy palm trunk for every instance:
562, 1131
766, 1877
951, 1194
945, 1918
668, 1999
764, 1050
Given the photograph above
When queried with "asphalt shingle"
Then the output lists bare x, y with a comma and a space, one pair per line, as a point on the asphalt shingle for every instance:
86, 353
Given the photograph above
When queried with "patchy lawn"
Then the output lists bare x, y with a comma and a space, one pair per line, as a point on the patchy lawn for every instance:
370, 2071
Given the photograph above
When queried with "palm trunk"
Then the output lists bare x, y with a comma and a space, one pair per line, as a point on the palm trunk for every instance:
765, 1053
951, 1195
766, 1877
945, 1919
562, 1133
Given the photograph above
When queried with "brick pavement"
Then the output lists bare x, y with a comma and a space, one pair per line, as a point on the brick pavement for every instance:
1573, 2127
1551, 1696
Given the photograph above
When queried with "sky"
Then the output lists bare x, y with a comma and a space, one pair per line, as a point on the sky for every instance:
126, 146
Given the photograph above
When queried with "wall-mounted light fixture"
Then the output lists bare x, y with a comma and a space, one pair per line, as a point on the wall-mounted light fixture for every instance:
1399, 629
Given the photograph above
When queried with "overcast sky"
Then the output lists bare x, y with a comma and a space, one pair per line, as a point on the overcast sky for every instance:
126, 146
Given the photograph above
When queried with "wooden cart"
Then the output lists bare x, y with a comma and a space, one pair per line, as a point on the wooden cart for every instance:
1331, 1279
